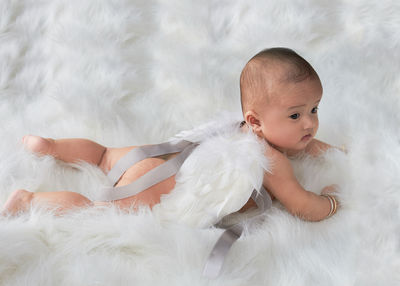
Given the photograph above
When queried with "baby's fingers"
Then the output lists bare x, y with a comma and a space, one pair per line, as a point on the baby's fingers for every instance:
329, 189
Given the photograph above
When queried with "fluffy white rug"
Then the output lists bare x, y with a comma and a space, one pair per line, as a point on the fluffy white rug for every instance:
130, 72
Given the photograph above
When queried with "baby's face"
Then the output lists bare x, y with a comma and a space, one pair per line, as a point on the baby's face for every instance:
290, 119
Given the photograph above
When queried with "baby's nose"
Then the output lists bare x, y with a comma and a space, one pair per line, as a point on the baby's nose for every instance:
308, 123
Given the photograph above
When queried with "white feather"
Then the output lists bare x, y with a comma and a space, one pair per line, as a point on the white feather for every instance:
218, 177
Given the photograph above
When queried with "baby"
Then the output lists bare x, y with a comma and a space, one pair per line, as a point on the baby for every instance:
280, 93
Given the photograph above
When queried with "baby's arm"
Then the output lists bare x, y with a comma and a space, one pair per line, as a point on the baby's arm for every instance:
284, 186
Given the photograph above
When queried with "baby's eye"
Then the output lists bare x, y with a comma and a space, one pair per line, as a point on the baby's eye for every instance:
295, 116
314, 110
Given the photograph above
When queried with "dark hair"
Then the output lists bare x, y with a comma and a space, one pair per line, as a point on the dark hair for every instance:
298, 69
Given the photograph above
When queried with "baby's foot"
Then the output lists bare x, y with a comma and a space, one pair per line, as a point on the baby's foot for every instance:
18, 201
37, 144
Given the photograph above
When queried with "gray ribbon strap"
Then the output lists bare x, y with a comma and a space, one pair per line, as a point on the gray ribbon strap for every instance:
167, 169
141, 153
152, 177
220, 250
263, 200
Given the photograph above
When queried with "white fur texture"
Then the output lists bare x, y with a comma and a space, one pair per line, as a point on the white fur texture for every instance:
132, 72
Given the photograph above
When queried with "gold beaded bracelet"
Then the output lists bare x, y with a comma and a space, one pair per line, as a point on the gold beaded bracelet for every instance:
333, 202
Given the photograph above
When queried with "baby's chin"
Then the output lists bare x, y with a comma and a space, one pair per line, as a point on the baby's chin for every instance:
294, 150
290, 150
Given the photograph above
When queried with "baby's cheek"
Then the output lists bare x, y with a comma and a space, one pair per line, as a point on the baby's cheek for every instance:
316, 127
283, 140
273, 135
279, 135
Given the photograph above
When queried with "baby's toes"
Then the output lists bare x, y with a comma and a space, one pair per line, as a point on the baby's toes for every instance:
36, 144
19, 200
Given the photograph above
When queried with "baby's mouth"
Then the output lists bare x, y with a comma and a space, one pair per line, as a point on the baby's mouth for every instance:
306, 137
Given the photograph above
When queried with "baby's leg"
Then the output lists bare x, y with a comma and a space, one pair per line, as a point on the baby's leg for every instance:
152, 195
74, 149
20, 201
68, 150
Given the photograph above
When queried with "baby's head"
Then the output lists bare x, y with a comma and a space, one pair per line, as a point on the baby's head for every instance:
280, 93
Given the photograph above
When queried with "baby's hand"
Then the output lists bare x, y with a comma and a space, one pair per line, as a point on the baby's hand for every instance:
329, 189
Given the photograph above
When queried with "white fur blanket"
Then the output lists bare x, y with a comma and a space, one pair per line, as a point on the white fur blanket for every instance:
134, 72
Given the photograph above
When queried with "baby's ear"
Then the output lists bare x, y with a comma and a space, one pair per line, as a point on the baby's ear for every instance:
256, 128
251, 119
254, 123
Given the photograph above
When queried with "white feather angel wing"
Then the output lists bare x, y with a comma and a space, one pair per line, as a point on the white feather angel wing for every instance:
217, 178
224, 122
